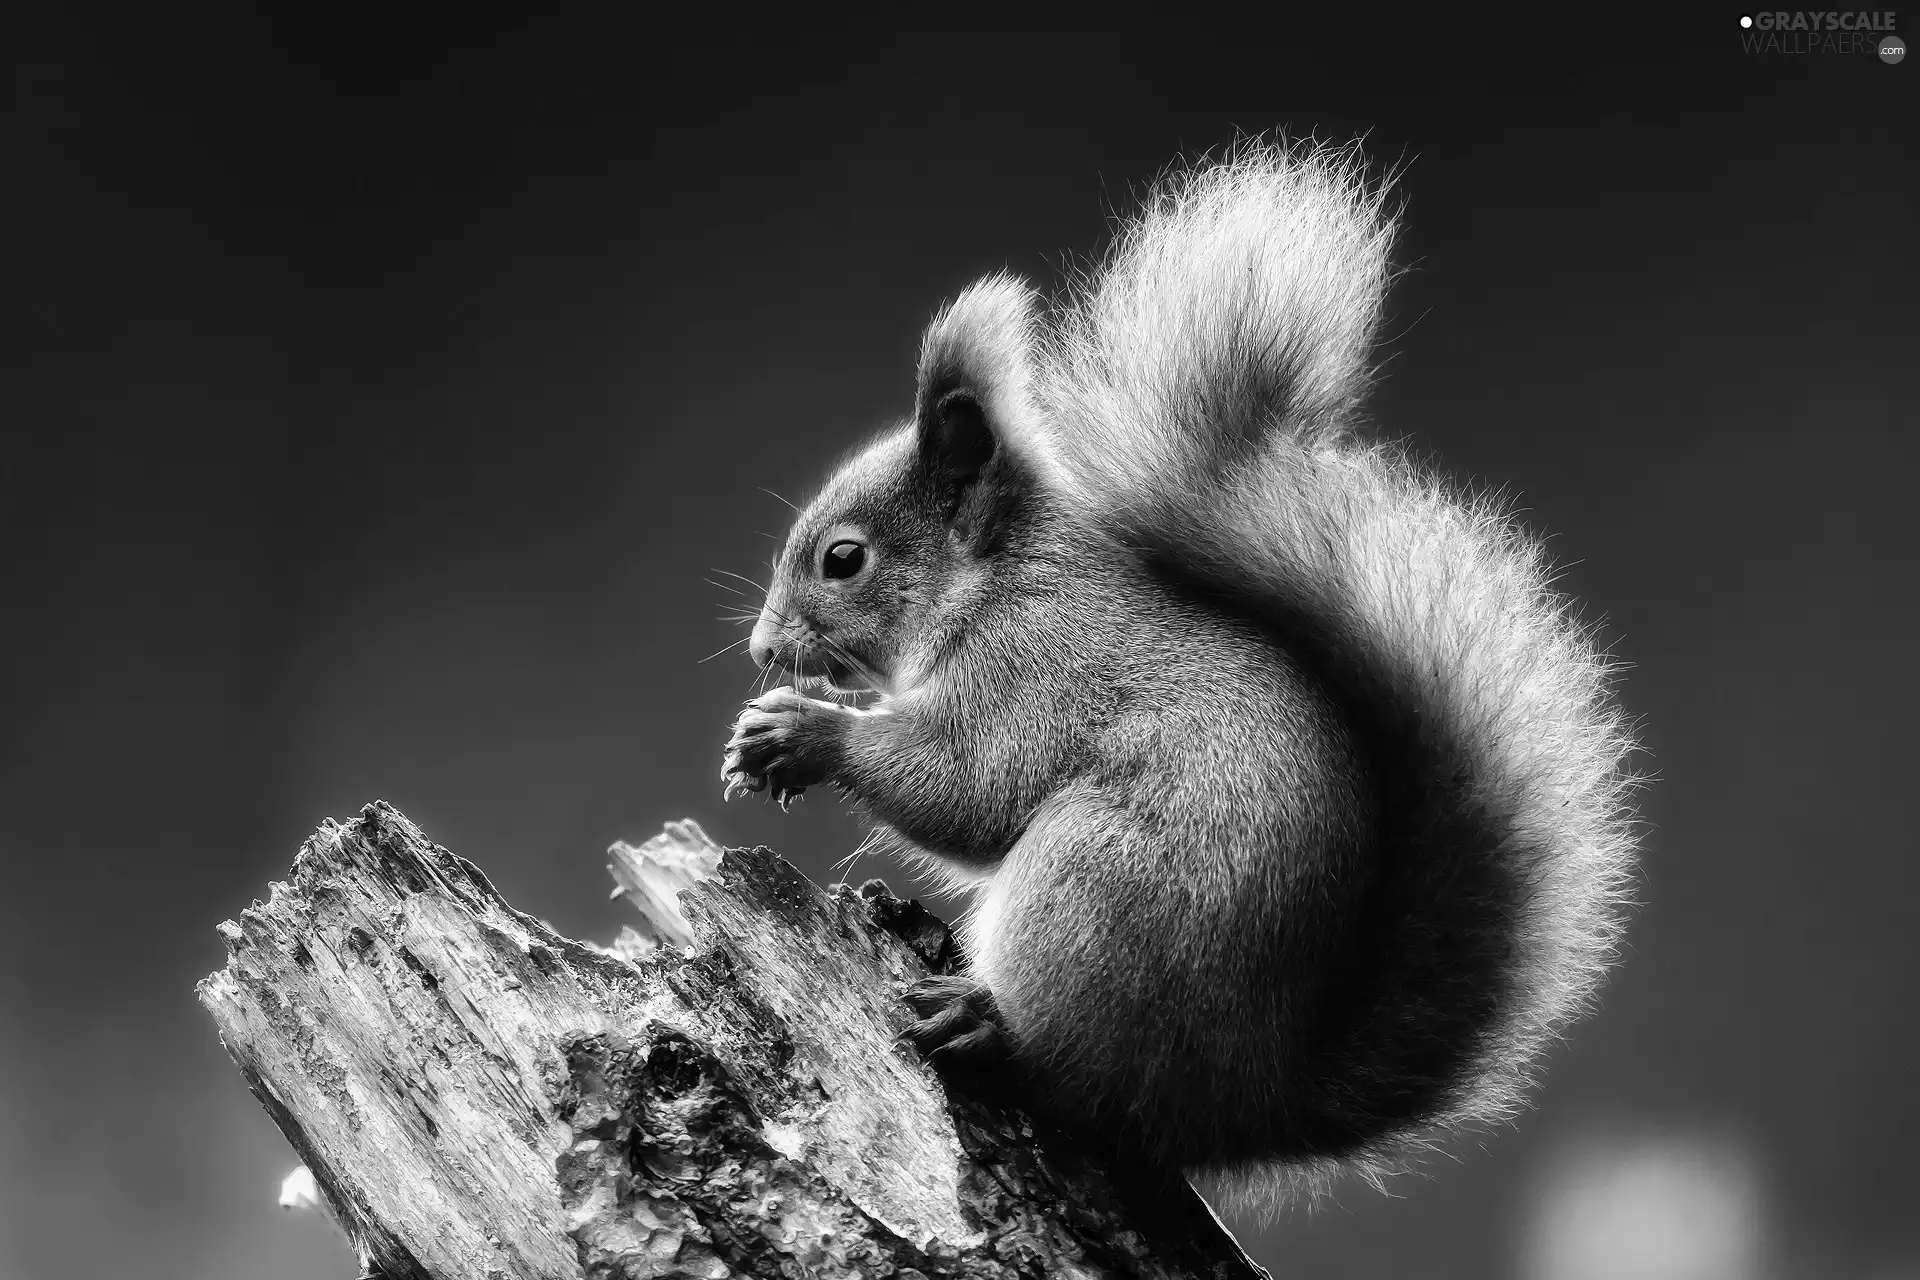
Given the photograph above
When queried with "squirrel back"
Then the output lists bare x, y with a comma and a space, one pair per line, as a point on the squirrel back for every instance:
1199, 395
1409, 761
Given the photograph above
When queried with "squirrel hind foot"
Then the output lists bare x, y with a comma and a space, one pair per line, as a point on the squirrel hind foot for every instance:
959, 1028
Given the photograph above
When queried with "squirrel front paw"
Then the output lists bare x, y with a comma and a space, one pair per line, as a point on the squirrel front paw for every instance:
784, 741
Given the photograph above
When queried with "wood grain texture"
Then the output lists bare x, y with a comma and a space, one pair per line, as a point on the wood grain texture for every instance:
478, 1096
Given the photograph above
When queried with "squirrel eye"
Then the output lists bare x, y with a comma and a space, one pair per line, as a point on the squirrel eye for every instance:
843, 560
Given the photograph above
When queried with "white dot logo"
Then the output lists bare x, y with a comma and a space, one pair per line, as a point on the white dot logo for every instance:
1746, 20
1892, 50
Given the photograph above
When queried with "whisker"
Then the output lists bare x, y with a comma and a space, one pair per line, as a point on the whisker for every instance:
727, 586
771, 494
717, 652
845, 865
741, 577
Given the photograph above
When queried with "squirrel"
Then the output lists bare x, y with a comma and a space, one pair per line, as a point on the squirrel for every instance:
1292, 797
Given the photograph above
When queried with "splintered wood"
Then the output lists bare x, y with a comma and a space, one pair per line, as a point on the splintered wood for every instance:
723, 1093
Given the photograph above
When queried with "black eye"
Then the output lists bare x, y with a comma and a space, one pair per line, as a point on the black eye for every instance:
842, 560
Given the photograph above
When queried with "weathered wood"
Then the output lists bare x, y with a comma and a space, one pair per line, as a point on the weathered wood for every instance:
477, 1095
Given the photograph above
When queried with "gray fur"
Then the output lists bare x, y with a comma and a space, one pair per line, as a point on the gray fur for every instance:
1292, 796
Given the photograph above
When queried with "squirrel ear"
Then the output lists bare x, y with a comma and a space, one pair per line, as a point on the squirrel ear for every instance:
956, 439
981, 344
973, 396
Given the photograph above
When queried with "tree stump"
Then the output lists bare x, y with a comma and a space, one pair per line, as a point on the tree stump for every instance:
724, 1094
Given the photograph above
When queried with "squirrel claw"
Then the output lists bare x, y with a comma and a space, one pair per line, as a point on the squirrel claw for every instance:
782, 743
960, 1027
982, 1047
930, 995
740, 784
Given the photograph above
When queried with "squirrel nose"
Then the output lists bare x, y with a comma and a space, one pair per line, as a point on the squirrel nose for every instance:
762, 647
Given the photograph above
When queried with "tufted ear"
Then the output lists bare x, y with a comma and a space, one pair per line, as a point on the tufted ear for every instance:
973, 409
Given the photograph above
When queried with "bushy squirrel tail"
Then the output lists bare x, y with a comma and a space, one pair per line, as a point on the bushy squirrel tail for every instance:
1196, 392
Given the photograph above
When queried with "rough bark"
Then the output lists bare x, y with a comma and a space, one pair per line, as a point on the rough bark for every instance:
477, 1095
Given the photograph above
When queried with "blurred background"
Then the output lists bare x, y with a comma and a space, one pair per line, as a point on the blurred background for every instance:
380, 398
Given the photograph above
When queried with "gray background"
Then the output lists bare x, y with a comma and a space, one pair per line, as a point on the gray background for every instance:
379, 399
